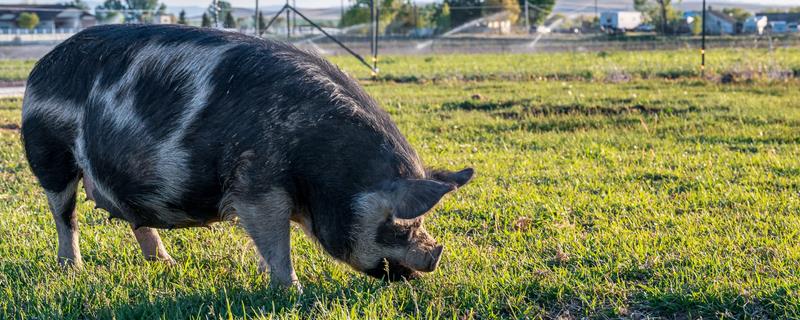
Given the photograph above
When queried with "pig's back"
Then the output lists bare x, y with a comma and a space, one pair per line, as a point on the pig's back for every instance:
156, 115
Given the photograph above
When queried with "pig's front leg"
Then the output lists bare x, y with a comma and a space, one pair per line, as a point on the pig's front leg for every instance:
152, 247
266, 219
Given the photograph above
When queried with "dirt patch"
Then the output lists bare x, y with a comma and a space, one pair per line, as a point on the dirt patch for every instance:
618, 76
12, 83
745, 76
9, 126
577, 109
657, 177
483, 105
521, 108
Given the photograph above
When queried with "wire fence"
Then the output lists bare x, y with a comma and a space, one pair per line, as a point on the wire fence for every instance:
22, 49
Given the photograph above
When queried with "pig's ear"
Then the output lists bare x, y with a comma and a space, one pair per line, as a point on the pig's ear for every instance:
413, 198
459, 178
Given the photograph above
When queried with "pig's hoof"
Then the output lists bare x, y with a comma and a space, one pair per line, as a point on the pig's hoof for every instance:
68, 263
293, 286
165, 260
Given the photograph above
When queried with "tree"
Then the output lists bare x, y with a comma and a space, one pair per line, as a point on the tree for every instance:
142, 4
463, 11
262, 23
78, 4
538, 10
142, 10
27, 20
182, 17
739, 14
223, 7
162, 9
392, 12
206, 21
139, 10
229, 22
109, 10
443, 18
403, 20
697, 25
510, 6
664, 6
357, 14
660, 12
789, 10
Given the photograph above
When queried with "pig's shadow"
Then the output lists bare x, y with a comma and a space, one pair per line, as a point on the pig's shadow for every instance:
239, 301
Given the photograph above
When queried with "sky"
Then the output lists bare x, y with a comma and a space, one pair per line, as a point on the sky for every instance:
336, 3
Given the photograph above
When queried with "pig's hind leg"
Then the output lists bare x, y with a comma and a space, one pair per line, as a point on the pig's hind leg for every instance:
149, 240
53, 163
266, 219
62, 206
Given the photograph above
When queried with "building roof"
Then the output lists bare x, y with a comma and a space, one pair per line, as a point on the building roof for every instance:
722, 16
44, 11
788, 17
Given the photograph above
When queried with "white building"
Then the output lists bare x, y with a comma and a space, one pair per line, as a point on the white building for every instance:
50, 16
782, 22
755, 24
620, 20
165, 18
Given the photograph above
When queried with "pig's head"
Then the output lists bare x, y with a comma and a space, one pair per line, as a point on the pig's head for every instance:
389, 238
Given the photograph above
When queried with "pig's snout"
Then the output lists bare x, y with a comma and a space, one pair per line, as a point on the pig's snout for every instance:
436, 255
426, 261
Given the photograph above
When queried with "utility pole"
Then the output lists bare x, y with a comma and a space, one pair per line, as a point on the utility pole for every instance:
528, 19
294, 16
416, 19
376, 14
216, 13
372, 29
288, 23
257, 17
703, 44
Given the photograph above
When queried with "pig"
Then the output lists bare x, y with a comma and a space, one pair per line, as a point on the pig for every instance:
174, 127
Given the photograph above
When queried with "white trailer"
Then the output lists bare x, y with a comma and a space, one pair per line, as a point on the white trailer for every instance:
620, 20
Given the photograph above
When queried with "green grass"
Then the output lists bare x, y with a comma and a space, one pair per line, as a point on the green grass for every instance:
603, 66
15, 70
615, 66
678, 199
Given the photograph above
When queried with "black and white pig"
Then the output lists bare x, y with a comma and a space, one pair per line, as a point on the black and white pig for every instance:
173, 127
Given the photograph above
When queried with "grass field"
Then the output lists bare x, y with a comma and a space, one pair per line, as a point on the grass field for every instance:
15, 70
615, 66
601, 199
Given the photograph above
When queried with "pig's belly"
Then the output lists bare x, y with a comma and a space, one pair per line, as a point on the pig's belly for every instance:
144, 159
150, 189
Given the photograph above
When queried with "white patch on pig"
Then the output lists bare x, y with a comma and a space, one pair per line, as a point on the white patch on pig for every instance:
82, 160
371, 210
52, 109
171, 158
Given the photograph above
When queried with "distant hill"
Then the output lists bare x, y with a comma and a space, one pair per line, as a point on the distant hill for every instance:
577, 7
565, 7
